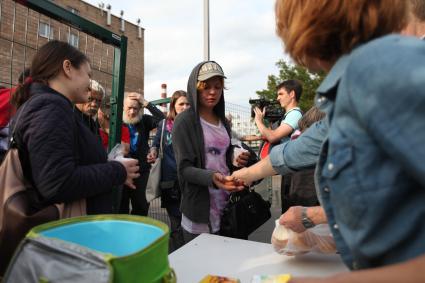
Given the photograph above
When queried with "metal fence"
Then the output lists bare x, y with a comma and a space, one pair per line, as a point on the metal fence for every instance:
242, 123
157, 212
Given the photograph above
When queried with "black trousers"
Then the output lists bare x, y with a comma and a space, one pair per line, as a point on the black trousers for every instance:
187, 236
285, 186
170, 200
137, 197
176, 230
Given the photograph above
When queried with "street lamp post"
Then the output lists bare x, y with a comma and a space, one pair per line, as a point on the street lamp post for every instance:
206, 30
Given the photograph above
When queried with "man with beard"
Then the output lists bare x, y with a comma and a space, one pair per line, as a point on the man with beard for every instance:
139, 125
87, 111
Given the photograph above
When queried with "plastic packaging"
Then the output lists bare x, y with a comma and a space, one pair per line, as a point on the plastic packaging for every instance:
237, 150
317, 239
280, 278
117, 152
218, 279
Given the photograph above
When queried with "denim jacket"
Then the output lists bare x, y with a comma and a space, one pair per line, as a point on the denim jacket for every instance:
370, 174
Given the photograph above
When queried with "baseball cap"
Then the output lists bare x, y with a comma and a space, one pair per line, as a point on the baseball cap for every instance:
209, 70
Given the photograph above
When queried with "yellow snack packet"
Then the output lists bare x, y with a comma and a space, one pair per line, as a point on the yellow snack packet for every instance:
280, 278
218, 279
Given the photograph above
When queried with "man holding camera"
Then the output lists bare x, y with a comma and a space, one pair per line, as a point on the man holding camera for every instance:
288, 96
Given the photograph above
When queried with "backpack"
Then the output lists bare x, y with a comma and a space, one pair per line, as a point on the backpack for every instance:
6, 111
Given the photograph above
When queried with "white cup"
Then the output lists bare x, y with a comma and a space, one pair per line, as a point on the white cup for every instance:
236, 152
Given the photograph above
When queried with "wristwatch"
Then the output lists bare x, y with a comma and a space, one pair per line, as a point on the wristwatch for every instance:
307, 222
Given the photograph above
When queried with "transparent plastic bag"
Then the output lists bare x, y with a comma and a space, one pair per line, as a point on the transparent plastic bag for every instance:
116, 152
317, 239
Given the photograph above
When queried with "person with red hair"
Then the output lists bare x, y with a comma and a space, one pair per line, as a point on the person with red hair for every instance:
370, 178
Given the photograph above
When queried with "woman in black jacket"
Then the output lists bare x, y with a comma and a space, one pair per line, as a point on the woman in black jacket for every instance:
62, 159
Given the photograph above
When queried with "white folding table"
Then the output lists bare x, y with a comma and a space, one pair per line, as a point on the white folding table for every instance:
217, 255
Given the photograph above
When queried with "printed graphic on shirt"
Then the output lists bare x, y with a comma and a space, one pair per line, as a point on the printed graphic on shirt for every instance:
168, 136
216, 143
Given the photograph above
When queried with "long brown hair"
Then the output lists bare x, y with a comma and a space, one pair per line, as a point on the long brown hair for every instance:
327, 29
176, 95
311, 116
46, 65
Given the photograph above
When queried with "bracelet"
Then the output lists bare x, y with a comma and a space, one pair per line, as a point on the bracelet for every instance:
306, 221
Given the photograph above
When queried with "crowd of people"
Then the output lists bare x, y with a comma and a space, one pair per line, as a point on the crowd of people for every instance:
353, 161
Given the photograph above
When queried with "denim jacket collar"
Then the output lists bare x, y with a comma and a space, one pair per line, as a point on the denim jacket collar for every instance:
333, 77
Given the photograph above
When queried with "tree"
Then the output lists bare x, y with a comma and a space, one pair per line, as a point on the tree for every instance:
287, 71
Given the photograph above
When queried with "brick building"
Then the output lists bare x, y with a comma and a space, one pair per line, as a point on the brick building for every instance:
23, 31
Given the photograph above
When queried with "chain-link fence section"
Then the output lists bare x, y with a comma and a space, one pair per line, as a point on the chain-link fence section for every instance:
242, 123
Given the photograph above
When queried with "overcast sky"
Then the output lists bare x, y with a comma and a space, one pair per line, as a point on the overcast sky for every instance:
242, 41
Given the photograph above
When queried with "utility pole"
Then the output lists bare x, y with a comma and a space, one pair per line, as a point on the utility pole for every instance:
206, 30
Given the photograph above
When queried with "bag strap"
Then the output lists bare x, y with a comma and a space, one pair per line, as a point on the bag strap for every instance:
12, 141
293, 109
161, 152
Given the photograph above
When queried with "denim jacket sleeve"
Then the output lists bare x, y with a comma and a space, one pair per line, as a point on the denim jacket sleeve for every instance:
300, 153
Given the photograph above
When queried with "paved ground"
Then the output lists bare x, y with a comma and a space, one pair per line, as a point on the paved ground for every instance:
269, 188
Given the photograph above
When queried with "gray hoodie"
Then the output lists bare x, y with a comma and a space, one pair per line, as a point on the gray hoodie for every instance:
188, 145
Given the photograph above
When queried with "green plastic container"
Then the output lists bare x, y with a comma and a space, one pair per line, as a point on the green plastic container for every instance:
117, 248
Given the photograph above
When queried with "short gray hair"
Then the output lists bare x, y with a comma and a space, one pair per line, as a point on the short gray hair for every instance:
97, 87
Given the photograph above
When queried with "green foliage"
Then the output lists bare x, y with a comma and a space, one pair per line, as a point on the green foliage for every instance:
309, 81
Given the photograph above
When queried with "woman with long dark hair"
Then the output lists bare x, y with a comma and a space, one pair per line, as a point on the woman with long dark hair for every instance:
170, 189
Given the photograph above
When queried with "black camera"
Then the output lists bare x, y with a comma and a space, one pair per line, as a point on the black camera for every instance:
274, 111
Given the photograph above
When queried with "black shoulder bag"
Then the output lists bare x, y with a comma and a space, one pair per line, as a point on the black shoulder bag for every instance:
243, 214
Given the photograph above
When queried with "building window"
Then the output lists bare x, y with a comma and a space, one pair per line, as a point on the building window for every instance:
73, 39
73, 10
45, 30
